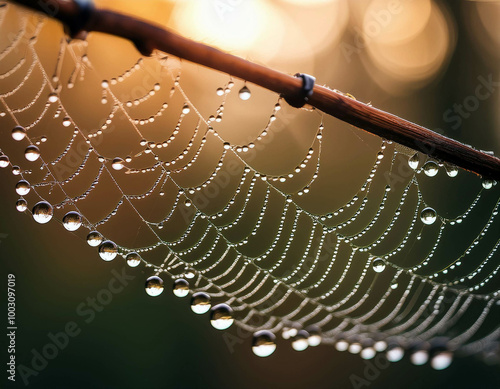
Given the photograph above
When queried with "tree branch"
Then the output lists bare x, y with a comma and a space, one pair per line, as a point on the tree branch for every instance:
147, 37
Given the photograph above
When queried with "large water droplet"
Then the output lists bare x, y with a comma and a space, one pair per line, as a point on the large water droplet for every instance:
21, 205
419, 357
200, 303
451, 170
394, 353
244, 93
42, 212
263, 343
367, 353
118, 164
94, 238
66, 122
72, 221
108, 250
4, 161
186, 109
413, 162
428, 215
341, 345
378, 265
299, 341
355, 348
154, 286
219, 91
181, 287
221, 316
380, 345
23, 188
314, 337
431, 168
488, 184
53, 97
18, 133
442, 360
133, 259
32, 153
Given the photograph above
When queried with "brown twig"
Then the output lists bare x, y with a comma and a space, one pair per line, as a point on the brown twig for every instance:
147, 37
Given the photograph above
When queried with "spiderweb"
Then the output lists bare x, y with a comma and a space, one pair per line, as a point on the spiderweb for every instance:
282, 221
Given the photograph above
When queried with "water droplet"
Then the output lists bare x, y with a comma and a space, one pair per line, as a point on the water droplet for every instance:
442, 360
263, 343
133, 259
368, 353
380, 345
355, 348
378, 265
32, 153
186, 109
289, 332
200, 303
53, 97
244, 93
394, 353
188, 203
154, 286
221, 316
299, 341
66, 122
4, 161
16, 170
419, 357
72, 221
451, 170
108, 250
94, 238
118, 164
314, 337
23, 188
394, 285
181, 287
341, 345
189, 273
18, 133
42, 212
428, 215
431, 168
414, 161
21, 205
219, 91
488, 184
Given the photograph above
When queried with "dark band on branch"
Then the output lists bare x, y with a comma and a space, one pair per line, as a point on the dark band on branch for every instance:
302, 97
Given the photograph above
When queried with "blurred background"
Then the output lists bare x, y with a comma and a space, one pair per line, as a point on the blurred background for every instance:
422, 60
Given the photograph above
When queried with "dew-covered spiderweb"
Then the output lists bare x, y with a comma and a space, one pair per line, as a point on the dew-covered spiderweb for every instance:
283, 221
